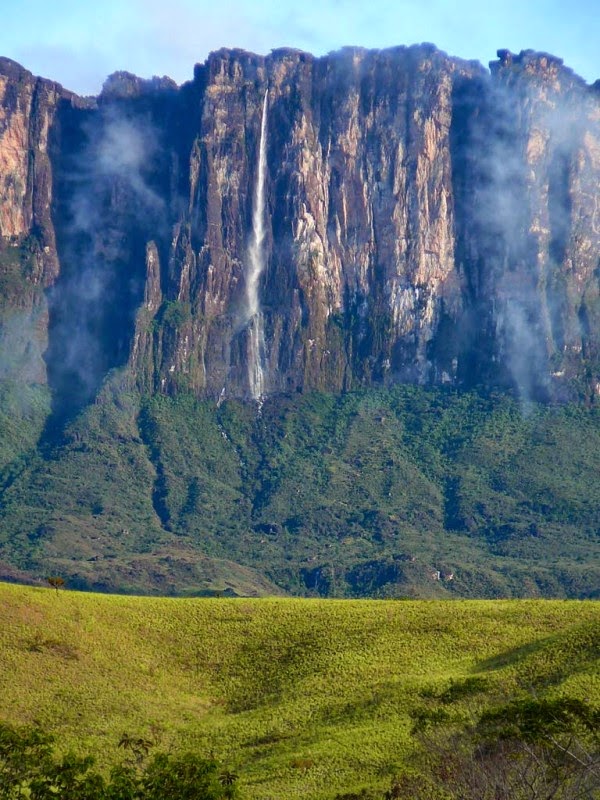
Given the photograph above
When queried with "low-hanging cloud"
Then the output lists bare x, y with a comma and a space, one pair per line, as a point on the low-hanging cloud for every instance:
524, 145
109, 201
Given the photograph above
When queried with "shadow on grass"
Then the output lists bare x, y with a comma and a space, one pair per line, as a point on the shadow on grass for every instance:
549, 660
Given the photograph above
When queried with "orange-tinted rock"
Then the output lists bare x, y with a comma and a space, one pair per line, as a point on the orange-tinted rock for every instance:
426, 221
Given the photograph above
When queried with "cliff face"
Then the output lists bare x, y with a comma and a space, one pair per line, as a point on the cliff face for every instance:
526, 184
420, 220
28, 258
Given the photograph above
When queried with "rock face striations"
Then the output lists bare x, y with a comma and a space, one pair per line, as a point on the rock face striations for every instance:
422, 220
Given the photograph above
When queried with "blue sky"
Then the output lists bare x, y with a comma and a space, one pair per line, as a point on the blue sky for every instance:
80, 42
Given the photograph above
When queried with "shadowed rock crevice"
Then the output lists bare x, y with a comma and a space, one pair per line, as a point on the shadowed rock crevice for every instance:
112, 182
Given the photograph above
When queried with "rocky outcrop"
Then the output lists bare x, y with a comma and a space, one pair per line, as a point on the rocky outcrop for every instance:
425, 221
360, 242
28, 255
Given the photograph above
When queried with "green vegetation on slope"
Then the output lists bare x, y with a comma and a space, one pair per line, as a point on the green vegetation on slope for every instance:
30, 768
301, 698
23, 312
84, 509
23, 412
370, 493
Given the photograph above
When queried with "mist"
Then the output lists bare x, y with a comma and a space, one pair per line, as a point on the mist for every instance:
525, 147
107, 206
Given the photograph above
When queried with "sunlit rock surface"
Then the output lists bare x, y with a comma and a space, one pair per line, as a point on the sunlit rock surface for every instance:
425, 221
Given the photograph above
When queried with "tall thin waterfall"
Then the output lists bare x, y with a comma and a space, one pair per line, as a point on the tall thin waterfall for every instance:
256, 265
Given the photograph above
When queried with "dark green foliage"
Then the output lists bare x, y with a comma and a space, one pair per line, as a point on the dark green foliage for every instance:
174, 313
23, 411
17, 265
372, 493
22, 312
527, 748
532, 720
369, 493
30, 768
186, 777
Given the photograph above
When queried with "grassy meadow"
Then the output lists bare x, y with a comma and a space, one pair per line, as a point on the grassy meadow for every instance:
302, 698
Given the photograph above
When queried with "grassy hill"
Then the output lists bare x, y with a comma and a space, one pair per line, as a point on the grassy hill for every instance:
302, 698
370, 493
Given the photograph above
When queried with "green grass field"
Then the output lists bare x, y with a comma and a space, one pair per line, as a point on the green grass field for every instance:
302, 698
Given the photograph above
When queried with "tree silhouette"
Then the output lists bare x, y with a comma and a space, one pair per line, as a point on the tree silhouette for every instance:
136, 745
56, 582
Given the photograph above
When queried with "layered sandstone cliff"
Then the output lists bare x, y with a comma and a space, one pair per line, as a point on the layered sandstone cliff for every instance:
424, 221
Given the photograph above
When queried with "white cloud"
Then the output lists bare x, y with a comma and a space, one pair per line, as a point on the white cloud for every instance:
79, 44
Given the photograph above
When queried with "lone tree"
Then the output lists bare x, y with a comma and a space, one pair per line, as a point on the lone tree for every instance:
56, 582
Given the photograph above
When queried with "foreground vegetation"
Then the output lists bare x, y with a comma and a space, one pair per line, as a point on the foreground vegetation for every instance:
30, 768
299, 698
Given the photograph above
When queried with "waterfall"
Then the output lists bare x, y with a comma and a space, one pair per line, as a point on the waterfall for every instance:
256, 265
